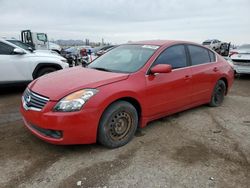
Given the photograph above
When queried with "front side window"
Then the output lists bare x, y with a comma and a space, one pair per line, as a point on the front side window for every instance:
6, 49
174, 56
198, 55
20, 44
125, 58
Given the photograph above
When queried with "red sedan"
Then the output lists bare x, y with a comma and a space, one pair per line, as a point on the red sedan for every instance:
122, 90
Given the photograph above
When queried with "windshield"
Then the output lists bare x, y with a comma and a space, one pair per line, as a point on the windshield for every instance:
125, 58
20, 44
245, 46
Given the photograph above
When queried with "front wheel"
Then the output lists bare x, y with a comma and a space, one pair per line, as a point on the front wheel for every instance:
218, 94
118, 124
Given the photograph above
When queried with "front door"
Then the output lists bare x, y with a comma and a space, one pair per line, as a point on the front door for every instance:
12, 66
169, 92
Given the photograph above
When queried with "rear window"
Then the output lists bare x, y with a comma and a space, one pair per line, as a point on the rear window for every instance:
198, 55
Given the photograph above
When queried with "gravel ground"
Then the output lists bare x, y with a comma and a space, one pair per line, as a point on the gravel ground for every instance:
201, 147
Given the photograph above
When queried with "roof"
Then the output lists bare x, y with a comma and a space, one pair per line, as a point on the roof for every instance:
153, 42
161, 42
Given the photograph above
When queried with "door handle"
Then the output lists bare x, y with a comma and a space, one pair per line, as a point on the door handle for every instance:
215, 69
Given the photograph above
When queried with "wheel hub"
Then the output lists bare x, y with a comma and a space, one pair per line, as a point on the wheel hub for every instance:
120, 125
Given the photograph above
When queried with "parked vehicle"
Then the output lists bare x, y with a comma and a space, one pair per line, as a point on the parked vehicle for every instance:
39, 41
122, 90
224, 49
241, 59
213, 44
77, 55
72, 55
22, 65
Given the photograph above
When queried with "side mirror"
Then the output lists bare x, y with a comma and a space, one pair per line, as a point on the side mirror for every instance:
31, 49
18, 51
161, 68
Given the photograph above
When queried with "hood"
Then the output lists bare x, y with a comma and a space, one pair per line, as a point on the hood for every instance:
58, 84
45, 53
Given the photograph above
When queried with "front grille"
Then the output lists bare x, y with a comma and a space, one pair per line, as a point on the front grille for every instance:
34, 101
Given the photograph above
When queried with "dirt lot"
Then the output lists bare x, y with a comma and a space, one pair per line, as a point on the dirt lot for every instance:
202, 147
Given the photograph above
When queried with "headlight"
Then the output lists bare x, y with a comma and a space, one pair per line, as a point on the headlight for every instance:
75, 101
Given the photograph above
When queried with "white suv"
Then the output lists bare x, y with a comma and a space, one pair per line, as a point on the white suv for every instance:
22, 65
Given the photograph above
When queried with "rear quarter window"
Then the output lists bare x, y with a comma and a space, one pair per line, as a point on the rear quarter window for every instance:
198, 55
212, 56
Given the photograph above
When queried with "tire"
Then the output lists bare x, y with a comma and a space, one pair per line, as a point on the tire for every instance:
118, 124
45, 70
218, 94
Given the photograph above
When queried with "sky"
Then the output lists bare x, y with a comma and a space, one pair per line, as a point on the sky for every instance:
119, 21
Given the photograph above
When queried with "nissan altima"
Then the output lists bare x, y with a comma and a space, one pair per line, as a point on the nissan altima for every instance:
122, 90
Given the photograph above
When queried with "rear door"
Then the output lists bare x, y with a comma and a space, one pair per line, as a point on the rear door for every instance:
205, 72
169, 92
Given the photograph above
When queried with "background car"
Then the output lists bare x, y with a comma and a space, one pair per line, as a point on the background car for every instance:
212, 44
21, 65
76, 55
241, 59
72, 54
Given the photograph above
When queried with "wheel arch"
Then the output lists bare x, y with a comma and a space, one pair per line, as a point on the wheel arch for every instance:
132, 100
224, 79
44, 65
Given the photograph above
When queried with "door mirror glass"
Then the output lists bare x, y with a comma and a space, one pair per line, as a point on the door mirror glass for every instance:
161, 68
18, 51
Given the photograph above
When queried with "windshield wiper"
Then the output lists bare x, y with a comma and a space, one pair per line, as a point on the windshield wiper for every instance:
101, 69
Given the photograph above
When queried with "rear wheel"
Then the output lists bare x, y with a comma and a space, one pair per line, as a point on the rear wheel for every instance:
118, 124
45, 70
218, 94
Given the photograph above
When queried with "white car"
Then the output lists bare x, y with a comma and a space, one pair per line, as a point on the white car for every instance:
20, 65
241, 59
212, 44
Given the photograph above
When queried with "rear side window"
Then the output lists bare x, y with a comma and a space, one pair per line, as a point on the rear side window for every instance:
198, 55
174, 56
6, 49
212, 56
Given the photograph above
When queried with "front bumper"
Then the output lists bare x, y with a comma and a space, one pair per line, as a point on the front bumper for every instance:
74, 127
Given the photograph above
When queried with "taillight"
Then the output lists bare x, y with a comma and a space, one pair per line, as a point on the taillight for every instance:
232, 53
